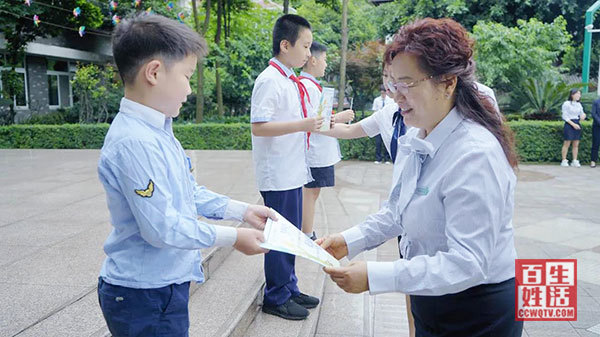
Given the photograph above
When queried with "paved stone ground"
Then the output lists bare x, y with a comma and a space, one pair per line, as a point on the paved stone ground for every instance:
53, 221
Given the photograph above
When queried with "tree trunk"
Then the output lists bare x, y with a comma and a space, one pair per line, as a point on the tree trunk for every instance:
286, 6
342, 87
226, 21
200, 67
219, 89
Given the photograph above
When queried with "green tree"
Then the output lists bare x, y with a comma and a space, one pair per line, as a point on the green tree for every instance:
322, 15
11, 85
509, 55
343, 52
364, 71
360, 28
506, 12
96, 87
245, 57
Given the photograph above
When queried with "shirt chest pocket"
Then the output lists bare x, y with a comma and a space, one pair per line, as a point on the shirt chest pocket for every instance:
179, 178
423, 205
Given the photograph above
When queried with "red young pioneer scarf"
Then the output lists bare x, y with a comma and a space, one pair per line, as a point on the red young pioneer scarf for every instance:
318, 86
303, 93
315, 82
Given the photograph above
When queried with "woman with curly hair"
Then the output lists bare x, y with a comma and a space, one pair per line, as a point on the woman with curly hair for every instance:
452, 196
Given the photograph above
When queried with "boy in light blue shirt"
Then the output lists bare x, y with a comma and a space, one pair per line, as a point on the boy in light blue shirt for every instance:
153, 251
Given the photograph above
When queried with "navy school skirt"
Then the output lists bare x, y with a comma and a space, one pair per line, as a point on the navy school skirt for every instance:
483, 310
569, 133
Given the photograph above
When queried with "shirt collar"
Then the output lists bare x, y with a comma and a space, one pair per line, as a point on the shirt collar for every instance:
439, 134
307, 75
288, 72
153, 117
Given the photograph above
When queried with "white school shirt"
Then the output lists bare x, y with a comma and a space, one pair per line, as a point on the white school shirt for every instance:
571, 110
457, 227
324, 150
378, 102
279, 162
380, 123
489, 92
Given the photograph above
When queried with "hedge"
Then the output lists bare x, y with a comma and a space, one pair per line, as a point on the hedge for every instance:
537, 141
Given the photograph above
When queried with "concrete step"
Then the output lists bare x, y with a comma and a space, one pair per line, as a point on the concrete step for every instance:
228, 302
81, 315
311, 279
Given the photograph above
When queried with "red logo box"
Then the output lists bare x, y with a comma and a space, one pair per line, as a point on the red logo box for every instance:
546, 290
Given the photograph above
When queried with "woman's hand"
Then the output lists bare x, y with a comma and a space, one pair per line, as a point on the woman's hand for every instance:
334, 244
574, 125
352, 278
582, 116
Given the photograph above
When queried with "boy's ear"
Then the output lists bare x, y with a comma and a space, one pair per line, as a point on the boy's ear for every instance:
150, 71
284, 46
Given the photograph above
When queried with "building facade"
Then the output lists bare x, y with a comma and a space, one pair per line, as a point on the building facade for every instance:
48, 68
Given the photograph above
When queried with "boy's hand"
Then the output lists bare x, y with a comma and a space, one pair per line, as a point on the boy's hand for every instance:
257, 215
312, 124
248, 241
344, 116
334, 244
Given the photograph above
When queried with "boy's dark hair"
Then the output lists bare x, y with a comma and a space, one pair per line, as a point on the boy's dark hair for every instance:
139, 38
316, 49
287, 28
382, 88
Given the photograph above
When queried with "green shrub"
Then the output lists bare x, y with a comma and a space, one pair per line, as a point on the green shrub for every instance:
56, 117
91, 136
207, 136
541, 141
513, 117
66, 136
536, 141
226, 119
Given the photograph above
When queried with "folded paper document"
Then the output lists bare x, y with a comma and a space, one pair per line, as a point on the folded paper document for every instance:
282, 236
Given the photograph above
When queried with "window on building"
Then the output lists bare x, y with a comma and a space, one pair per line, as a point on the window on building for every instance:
20, 99
53, 99
60, 93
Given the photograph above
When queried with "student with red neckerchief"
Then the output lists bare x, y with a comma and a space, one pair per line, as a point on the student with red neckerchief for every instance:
324, 151
281, 133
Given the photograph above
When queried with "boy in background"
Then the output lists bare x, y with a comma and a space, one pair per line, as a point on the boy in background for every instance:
324, 151
280, 138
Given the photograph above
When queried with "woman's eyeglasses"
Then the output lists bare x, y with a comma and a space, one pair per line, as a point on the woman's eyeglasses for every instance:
403, 87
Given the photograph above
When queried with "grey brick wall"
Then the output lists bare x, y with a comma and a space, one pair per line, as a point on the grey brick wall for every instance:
37, 83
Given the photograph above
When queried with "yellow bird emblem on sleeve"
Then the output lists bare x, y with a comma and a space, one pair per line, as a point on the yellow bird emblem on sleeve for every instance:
147, 193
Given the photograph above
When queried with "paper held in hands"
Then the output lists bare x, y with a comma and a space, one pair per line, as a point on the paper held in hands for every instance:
282, 236
326, 107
